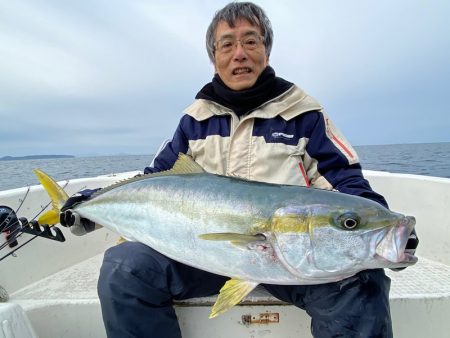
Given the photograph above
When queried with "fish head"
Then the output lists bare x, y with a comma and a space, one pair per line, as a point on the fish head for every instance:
334, 241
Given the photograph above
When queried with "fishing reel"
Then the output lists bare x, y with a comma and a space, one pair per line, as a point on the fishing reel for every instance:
9, 224
12, 226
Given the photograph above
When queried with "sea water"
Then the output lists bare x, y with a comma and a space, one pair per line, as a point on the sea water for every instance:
431, 159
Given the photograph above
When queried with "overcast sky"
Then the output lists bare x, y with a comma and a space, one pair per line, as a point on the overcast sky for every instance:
97, 77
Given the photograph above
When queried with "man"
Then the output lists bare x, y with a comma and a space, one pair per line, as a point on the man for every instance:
248, 123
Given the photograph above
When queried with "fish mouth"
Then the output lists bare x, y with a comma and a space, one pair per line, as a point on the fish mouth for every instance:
392, 246
408, 259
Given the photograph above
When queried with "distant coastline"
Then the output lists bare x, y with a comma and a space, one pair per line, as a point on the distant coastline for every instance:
33, 157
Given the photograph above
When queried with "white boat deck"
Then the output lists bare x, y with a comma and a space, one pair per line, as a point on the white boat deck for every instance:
78, 284
420, 301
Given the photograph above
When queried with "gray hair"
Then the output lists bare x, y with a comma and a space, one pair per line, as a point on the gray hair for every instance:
240, 10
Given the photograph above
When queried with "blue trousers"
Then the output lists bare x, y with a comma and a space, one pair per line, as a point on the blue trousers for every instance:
137, 286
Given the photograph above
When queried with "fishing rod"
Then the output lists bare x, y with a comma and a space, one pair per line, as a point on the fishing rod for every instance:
21, 200
54, 234
37, 230
13, 251
11, 239
9, 225
14, 227
16, 224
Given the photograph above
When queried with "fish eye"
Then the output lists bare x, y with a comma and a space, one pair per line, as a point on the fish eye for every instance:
349, 220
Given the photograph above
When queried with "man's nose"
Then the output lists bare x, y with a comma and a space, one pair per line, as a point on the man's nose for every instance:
239, 53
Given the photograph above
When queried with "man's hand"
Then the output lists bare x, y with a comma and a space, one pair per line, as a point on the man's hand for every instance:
71, 219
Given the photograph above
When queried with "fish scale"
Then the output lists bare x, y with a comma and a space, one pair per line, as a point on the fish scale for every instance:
179, 209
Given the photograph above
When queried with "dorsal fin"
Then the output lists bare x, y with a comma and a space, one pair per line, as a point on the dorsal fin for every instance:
182, 166
186, 165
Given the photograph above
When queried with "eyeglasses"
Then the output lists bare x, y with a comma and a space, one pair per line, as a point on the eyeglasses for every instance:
227, 44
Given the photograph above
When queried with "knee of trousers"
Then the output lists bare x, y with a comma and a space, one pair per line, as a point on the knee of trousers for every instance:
356, 304
370, 286
134, 269
136, 257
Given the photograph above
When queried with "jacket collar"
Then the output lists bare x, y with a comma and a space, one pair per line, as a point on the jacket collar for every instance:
288, 105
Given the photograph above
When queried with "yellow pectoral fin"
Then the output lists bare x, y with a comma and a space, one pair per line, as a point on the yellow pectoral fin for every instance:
231, 293
232, 237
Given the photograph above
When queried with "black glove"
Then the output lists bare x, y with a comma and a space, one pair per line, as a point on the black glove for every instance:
71, 219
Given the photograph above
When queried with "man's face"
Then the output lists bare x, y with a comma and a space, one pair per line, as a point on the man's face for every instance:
239, 68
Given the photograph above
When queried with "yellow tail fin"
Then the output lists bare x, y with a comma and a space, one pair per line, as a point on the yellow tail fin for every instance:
57, 195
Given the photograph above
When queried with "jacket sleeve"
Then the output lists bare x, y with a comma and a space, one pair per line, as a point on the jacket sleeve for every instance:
169, 154
337, 164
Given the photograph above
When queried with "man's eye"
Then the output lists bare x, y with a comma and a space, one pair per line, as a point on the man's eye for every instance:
250, 42
226, 44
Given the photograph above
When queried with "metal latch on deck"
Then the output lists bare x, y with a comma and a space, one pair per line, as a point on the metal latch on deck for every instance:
262, 318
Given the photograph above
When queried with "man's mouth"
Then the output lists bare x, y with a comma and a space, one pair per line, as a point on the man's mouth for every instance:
241, 70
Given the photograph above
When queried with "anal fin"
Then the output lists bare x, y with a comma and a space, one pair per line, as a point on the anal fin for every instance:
230, 294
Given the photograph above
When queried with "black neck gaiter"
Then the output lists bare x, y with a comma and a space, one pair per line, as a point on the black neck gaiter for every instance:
266, 88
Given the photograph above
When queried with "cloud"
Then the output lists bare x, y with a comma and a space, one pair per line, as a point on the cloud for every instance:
114, 76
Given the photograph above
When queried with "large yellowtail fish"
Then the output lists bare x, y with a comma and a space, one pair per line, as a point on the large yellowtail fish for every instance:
250, 231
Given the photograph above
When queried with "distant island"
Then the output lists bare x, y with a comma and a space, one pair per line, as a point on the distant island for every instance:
33, 157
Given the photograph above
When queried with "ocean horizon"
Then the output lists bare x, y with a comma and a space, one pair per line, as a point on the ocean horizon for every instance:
33, 156
430, 159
